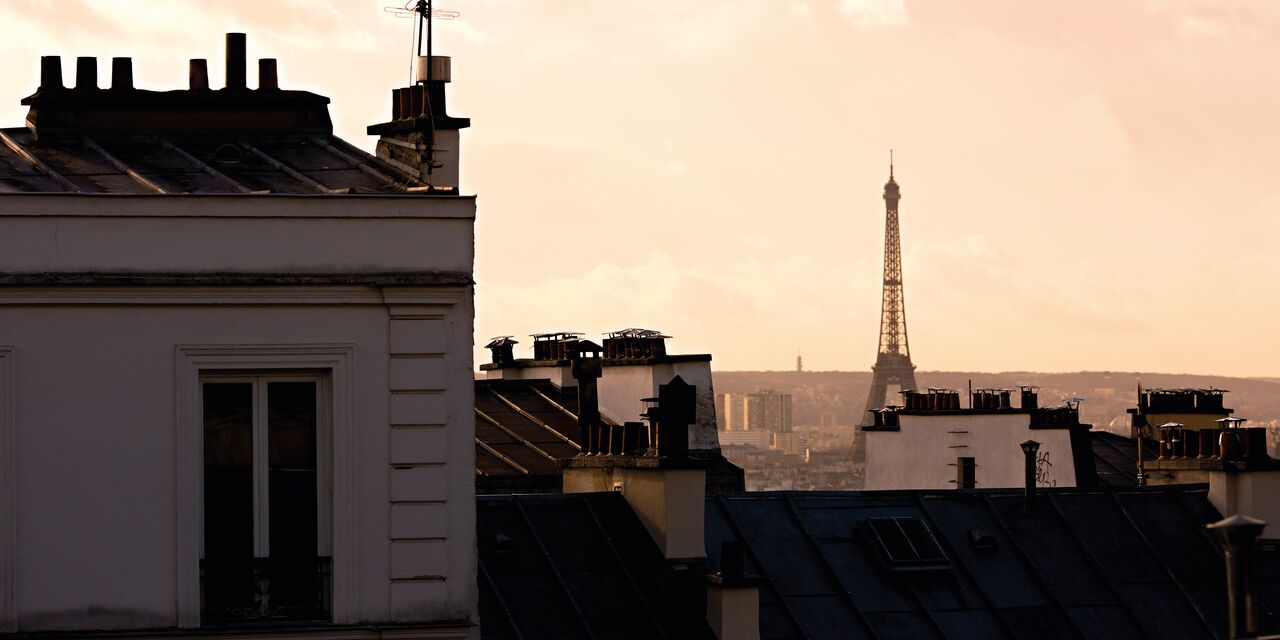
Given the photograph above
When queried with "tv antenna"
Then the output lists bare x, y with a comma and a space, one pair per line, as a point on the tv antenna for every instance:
426, 14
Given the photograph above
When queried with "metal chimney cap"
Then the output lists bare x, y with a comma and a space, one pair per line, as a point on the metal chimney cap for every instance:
1238, 528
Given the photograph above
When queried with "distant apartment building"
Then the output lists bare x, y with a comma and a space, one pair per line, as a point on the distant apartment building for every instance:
765, 410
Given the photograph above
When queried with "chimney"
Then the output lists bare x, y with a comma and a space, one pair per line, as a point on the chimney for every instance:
1029, 449
667, 492
86, 73
50, 72
586, 368
236, 61
422, 138
1239, 535
198, 75
733, 597
1029, 398
122, 73
267, 78
502, 349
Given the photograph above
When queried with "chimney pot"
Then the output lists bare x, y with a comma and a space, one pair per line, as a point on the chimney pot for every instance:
198, 76
236, 61
1029, 449
50, 72
122, 73
402, 97
267, 78
86, 73
1239, 535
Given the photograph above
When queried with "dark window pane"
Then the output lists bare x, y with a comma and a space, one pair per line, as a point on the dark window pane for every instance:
228, 494
291, 455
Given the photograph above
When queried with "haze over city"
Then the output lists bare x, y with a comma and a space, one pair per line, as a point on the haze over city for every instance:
1084, 186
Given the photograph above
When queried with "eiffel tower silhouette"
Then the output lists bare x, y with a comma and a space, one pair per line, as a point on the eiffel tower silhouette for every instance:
893, 358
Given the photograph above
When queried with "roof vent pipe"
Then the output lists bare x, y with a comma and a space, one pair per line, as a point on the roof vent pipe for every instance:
198, 75
50, 72
1029, 450
86, 73
267, 78
1239, 535
235, 61
122, 73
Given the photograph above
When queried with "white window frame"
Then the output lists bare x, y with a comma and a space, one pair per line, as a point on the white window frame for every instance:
194, 362
261, 483
8, 496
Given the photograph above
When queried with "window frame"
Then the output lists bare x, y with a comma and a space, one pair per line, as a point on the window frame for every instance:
194, 362
261, 482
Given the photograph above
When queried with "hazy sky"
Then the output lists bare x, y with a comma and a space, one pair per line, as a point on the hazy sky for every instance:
1086, 185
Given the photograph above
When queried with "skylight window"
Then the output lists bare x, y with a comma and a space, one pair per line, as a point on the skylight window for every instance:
906, 543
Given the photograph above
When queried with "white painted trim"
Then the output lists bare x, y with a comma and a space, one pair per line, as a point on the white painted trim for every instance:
190, 361
8, 496
235, 295
282, 206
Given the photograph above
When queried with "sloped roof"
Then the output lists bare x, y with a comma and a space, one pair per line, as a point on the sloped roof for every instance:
1082, 564
524, 427
177, 163
1116, 458
1093, 564
563, 567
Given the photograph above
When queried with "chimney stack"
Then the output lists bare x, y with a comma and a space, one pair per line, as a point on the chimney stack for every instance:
86, 73
198, 75
733, 597
587, 368
122, 73
50, 72
236, 61
1239, 535
1029, 449
267, 78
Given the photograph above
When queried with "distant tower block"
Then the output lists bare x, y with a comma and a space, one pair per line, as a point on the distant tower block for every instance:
799, 364
893, 358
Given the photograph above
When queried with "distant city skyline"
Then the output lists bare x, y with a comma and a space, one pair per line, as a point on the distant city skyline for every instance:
1083, 188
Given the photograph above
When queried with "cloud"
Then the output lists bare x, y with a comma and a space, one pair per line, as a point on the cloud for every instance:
866, 14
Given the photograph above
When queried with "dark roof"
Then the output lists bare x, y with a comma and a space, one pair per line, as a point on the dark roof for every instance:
1092, 564
1082, 564
523, 429
290, 163
579, 566
1116, 458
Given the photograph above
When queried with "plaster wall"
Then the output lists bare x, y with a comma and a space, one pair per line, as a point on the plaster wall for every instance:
99, 517
623, 387
670, 503
1251, 493
235, 234
560, 376
734, 612
922, 453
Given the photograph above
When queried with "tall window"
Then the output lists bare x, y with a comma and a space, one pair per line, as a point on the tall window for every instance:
267, 497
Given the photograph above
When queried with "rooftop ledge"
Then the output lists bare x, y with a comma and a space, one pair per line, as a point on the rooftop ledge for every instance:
237, 205
529, 363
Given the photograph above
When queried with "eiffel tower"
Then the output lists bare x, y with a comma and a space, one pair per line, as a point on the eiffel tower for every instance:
893, 358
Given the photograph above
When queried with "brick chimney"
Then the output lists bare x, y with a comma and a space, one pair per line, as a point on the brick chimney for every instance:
422, 138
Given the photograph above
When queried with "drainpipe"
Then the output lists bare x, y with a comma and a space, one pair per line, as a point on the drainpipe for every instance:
1029, 449
1239, 535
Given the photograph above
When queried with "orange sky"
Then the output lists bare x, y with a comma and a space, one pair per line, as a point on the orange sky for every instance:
1086, 185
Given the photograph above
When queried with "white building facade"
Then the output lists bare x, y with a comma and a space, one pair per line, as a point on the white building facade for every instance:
239, 407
